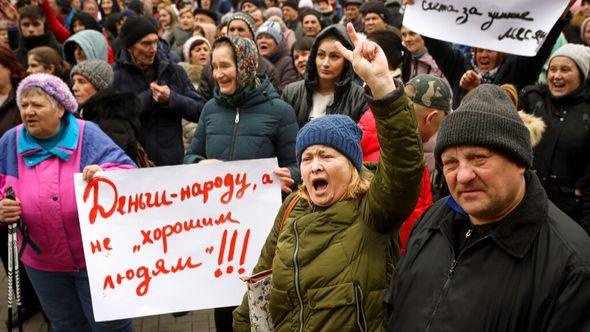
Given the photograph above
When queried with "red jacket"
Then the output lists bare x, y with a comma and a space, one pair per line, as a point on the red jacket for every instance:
370, 146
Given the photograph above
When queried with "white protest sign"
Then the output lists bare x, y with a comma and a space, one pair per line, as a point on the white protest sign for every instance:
516, 27
177, 238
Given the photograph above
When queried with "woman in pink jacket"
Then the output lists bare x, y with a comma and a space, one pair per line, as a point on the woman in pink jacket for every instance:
38, 160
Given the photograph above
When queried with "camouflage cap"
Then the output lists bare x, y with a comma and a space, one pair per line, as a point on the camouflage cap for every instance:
430, 91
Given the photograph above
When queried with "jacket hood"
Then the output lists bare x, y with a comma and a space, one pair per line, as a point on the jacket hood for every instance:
338, 32
93, 43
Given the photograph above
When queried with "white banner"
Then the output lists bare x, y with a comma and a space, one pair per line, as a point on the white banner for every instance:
515, 27
177, 238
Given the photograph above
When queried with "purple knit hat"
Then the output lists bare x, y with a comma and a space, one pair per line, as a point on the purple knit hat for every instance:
53, 86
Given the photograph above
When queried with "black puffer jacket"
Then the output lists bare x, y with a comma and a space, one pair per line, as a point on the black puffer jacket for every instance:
117, 114
349, 97
161, 134
531, 273
263, 126
562, 157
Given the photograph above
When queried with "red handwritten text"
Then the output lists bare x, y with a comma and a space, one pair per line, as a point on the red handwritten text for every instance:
164, 232
145, 274
229, 182
121, 204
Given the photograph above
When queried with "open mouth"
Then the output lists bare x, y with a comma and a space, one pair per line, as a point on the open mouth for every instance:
263, 47
558, 85
319, 186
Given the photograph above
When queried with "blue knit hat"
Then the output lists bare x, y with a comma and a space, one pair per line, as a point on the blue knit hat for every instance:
336, 131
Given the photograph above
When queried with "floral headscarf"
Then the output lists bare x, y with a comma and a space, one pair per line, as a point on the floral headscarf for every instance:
246, 56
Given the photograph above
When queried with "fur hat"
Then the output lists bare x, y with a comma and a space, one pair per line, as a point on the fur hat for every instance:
53, 86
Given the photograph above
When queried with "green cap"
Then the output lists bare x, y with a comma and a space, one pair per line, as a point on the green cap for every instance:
430, 91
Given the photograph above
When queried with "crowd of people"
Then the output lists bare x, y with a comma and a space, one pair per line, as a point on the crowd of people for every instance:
426, 185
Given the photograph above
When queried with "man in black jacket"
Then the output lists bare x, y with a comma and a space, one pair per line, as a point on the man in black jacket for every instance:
496, 255
163, 87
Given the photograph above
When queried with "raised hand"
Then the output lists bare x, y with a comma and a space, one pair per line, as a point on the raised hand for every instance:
369, 63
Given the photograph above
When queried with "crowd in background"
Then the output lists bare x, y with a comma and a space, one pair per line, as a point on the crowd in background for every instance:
143, 83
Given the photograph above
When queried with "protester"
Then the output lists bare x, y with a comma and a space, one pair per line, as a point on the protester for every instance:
83, 21
311, 23
421, 61
272, 46
325, 8
205, 16
108, 7
167, 18
84, 45
164, 89
259, 15
46, 60
573, 29
300, 54
33, 33
242, 25
183, 30
562, 161
488, 66
352, 14
328, 87
497, 229
11, 73
375, 16
197, 51
337, 247
117, 114
245, 120
290, 11
44, 153
431, 98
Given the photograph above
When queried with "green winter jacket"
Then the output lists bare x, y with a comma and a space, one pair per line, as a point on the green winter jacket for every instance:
333, 264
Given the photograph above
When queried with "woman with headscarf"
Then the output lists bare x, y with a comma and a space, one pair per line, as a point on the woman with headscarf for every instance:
333, 253
44, 153
246, 119
562, 158
116, 113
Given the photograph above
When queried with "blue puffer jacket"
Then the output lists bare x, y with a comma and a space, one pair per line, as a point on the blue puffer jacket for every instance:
263, 127
161, 124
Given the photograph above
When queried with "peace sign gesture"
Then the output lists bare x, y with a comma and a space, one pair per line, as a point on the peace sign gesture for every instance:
369, 62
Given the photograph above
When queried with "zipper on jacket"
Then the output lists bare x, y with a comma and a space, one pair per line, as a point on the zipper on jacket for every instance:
234, 135
361, 319
442, 293
296, 266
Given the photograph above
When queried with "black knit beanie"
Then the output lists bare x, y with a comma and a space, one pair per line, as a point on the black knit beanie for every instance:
135, 28
487, 117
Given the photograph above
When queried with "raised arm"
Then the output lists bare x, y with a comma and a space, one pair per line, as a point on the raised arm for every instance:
394, 190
